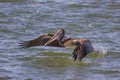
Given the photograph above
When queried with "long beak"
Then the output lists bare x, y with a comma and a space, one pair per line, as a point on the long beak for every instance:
56, 36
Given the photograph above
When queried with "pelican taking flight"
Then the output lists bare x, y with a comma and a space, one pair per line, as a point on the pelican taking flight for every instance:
82, 46
80, 50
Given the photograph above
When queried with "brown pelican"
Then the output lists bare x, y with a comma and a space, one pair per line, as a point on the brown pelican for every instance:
82, 46
40, 41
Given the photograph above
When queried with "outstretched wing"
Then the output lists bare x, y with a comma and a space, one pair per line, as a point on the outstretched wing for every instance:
40, 41
35, 42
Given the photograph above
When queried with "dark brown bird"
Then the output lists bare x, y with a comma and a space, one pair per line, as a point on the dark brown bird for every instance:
82, 46
40, 41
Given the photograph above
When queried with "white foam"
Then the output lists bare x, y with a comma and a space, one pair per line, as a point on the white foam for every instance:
100, 49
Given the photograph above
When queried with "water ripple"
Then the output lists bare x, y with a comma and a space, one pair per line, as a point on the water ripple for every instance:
29, 19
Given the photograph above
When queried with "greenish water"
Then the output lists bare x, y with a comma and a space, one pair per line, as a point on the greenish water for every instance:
97, 20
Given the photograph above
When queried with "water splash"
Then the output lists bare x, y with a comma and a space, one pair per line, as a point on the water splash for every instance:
100, 49
97, 48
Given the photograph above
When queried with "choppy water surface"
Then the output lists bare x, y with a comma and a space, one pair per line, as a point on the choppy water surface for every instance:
97, 20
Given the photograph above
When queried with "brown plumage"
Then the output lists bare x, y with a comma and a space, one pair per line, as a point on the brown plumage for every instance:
40, 41
82, 46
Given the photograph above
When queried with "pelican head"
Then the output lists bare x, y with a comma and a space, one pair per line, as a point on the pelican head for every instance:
58, 35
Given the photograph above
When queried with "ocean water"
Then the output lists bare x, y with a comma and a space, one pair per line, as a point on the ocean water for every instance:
97, 20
